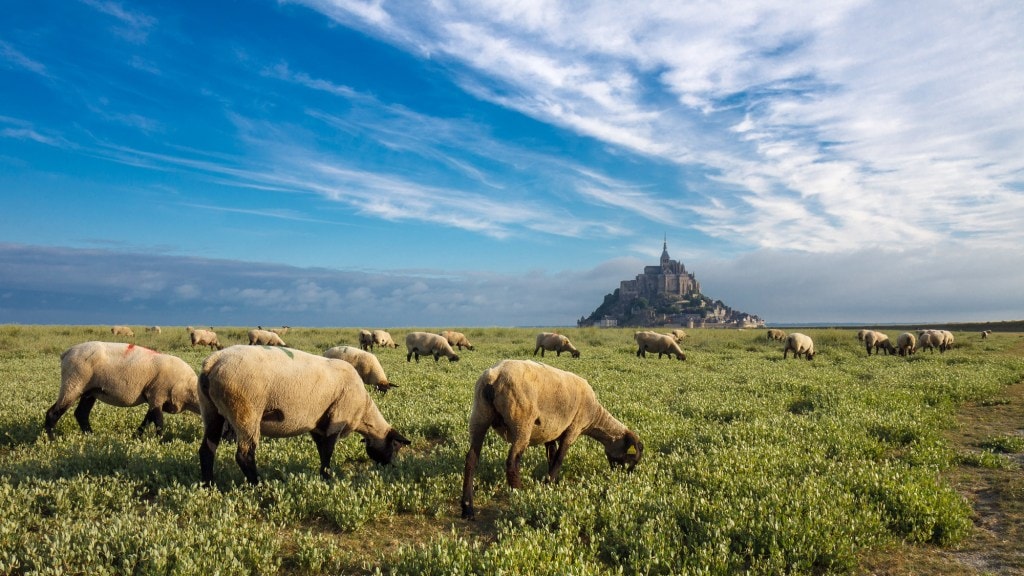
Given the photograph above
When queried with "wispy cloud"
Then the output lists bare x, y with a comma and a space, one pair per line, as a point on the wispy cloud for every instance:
15, 58
135, 25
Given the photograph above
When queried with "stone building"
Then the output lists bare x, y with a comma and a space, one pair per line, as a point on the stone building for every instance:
670, 278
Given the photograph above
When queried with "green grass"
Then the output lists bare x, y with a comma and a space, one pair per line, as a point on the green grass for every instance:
751, 463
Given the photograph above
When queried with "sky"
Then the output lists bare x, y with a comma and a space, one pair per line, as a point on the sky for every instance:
496, 163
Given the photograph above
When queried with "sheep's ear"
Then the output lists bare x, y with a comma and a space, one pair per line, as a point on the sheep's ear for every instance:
394, 436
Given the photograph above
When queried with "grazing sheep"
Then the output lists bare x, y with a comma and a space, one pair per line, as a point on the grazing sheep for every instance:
264, 338
906, 343
122, 331
383, 339
800, 344
776, 334
876, 340
862, 333
155, 329
661, 343
947, 340
281, 331
365, 340
555, 343
200, 337
985, 333
678, 334
457, 339
929, 340
365, 363
124, 375
279, 392
426, 344
529, 403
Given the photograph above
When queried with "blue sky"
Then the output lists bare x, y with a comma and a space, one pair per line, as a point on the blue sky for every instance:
345, 163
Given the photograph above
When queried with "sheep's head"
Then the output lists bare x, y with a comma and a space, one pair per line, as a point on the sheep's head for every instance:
383, 451
625, 452
575, 353
383, 387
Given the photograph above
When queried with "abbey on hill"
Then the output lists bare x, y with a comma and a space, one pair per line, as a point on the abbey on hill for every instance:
666, 295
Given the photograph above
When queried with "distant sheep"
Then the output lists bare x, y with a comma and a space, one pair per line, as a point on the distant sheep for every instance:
929, 340
365, 340
264, 338
678, 334
941, 339
985, 333
200, 337
556, 343
155, 329
800, 344
279, 392
122, 374
383, 339
427, 344
457, 339
878, 340
122, 331
906, 343
861, 333
281, 331
776, 334
528, 403
661, 343
365, 363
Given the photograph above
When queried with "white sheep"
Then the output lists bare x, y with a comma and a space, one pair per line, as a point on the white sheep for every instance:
365, 363
200, 337
529, 403
906, 343
365, 340
122, 331
383, 339
947, 340
875, 340
123, 375
428, 344
800, 344
652, 342
861, 333
985, 333
281, 392
776, 334
678, 334
281, 331
264, 338
457, 339
155, 329
554, 342
929, 340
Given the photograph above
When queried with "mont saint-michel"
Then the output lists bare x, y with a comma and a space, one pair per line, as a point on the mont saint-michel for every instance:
666, 295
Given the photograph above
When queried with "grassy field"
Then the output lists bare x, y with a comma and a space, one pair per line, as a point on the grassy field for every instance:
752, 464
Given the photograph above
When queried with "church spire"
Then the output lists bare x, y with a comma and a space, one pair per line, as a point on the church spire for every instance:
664, 251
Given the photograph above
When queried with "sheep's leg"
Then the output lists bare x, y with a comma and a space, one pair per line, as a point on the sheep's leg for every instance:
214, 425
552, 448
245, 456
82, 412
156, 416
53, 415
555, 464
325, 448
515, 457
476, 442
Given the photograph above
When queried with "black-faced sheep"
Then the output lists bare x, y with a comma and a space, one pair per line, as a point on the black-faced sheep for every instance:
878, 340
428, 344
124, 375
556, 343
280, 392
776, 334
122, 331
529, 403
800, 344
906, 343
383, 339
365, 363
365, 340
929, 340
652, 342
985, 333
200, 337
261, 337
154, 329
861, 333
457, 340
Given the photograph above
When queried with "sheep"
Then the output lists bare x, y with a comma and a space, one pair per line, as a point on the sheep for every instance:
800, 344
947, 340
906, 343
876, 340
661, 343
383, 339
425, 344
365, 363
122, 374
280, 392
678, 334
200, 337
861, 333
457, 339
281, 331
529, 403
122, 331
985, 333
941, 339
264, 338
155, 329
555, 343
930, 340
365, 340
776, 334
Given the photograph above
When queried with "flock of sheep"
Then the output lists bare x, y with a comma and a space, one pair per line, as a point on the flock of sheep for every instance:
268, 389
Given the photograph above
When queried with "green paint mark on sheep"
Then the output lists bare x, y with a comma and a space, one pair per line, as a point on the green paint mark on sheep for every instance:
285, 350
